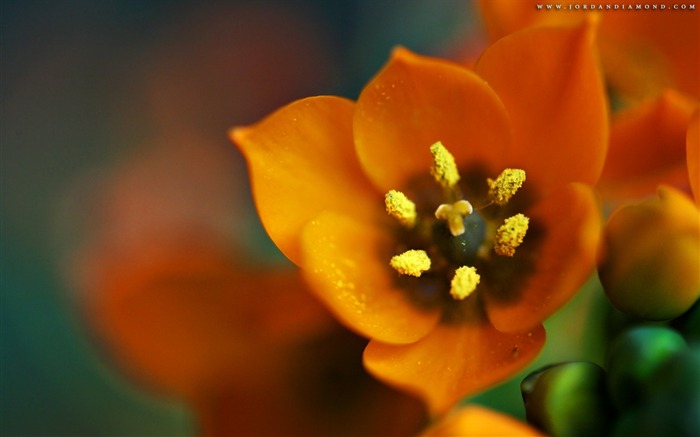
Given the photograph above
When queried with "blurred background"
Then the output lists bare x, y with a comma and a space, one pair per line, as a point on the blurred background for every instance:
116, 169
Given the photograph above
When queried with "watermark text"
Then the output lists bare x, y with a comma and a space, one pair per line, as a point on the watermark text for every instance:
615, 7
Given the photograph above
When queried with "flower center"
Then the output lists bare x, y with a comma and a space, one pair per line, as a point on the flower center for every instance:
457, 236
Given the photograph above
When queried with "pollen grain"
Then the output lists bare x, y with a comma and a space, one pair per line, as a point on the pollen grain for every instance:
411, 263
506, 185
400, 207
444, 168
464, 282
511, 234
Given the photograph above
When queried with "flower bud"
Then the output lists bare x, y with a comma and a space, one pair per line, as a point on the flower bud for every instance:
568, 399
672, 409
634, 357
650, 264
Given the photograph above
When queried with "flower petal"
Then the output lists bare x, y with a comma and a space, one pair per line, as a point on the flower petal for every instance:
649, 50
180, 315
555, 102
647, 148
414, 102
453, 360
641, 52
503, 17
347, 264
567, 223
302, 161
319, 389
693, 155
478, 421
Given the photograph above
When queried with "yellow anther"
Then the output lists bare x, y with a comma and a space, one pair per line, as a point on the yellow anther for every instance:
464, 282
510, 235
454, 215
400, 207
412, 262
506, 185
444, 168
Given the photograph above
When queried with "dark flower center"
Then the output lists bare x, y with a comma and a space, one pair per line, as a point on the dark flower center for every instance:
447, 244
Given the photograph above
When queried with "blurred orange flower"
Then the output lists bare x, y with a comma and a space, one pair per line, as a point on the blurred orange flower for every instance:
202, 311
238, 344
642, 51
477, 421
452, 288
648, 148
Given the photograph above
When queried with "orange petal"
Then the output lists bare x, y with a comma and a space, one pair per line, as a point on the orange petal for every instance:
478, 421
347, 264
320, 389
453, 360
503, 17
568, 224
183, 316
693, 155
302, 161
647, 148
645, 51
414, 102
642, 51
549, 82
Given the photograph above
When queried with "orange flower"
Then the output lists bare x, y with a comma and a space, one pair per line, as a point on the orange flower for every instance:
446, 314
477, 421
648, 148
642, 51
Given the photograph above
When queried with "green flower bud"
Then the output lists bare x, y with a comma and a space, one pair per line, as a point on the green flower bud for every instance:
568, 399
634, 357
674, 406
662, 416
678, 377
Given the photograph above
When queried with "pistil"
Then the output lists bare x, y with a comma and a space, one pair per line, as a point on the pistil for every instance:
454, 214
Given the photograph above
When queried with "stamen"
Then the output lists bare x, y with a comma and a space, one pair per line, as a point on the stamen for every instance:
454, 215
464, 282
510, 235
506, 185
444, 168
400, 207
411, 262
